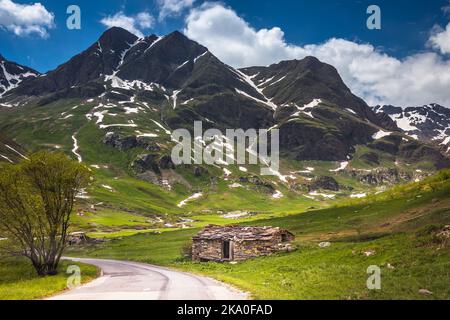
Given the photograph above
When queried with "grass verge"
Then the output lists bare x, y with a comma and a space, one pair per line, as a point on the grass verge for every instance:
18, 280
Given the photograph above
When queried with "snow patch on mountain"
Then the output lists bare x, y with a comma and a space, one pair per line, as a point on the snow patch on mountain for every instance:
119, 83
446, 141
358, 195
182, 65
200, 56
277, 195
154, 43
306, 109
131, 125
342, 167
75, 148
6, 158
351, 111
175, 97
381, 134
162, 127
312, 104
226, 172
145, 135
249, 80
15, 151
267, 103
263, 82
195, 196
276, 81
131, 110
323, 195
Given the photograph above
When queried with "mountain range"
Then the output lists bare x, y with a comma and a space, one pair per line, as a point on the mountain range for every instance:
429, 123
129, 93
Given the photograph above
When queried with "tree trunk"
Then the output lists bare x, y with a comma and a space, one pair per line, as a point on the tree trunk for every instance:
45, 269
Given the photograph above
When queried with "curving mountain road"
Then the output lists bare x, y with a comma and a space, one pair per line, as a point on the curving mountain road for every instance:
122, 280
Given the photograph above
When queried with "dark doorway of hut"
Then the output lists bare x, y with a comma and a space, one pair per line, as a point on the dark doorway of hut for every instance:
226, 250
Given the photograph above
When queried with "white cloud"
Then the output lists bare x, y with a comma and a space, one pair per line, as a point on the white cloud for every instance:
440, 39
25, 19
173, 7
135, 24
373, 75
214, 25
145, 20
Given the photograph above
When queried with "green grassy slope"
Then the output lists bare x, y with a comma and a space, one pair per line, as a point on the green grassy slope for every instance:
399, 227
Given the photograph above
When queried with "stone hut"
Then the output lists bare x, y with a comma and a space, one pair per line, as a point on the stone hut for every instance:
80, 238
237, 243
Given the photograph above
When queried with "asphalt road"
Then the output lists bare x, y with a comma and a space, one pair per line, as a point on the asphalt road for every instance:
123, 280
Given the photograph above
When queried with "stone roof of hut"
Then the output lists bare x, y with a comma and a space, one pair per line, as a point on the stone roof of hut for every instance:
213, 232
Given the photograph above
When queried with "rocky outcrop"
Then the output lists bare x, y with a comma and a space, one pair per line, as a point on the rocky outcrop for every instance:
147, 162
414, 152
165, 162
199, 171
324, 183
152, 162
370, 158
383, 176
410, 150
122, 143
389, 144
259, 184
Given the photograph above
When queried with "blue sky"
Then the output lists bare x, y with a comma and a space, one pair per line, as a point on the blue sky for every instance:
289, 27
405, 25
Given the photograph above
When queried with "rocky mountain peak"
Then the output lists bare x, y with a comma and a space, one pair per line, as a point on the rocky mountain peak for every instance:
309, 62
293, 84
177, 36
116, 39
117, 33
12, 74
429, 123
101, 58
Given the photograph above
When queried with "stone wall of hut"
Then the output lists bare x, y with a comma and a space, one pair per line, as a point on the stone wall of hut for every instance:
244, 250
207, 250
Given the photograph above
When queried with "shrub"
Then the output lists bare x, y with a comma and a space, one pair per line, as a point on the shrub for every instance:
186, 251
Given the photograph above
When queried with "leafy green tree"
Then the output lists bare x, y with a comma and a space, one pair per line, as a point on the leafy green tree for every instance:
36, 200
